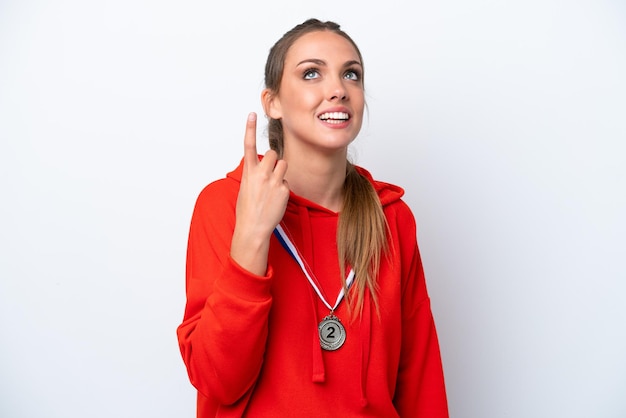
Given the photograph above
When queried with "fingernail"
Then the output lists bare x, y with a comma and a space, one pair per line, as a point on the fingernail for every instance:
252, 117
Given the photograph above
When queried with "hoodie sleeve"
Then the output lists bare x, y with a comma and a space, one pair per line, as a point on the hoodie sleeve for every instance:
223, 334
420, 389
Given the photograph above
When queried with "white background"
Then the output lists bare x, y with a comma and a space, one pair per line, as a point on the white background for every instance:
504, 121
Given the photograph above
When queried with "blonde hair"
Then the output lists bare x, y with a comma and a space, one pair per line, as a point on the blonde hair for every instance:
362, 229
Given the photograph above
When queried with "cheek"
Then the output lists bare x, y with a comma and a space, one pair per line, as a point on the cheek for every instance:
358, 103
357, 96
304, 102
309, 97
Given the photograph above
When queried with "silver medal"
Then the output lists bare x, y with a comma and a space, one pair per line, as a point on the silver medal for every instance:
332, 333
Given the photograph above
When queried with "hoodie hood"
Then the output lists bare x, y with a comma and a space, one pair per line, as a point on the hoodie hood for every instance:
303, 212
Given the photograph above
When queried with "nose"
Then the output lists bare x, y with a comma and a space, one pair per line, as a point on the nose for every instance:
337, 90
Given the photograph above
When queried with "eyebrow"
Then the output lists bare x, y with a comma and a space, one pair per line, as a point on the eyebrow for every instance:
320, 62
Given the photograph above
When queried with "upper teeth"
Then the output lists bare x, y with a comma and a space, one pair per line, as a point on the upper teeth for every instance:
334, 115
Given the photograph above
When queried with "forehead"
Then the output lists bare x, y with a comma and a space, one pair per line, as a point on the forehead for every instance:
324, 45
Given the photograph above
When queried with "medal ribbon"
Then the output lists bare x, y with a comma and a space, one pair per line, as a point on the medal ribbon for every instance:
288, 245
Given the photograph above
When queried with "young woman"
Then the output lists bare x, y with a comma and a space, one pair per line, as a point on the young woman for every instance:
305, 289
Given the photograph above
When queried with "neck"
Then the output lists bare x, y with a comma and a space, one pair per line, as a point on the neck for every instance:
318, 178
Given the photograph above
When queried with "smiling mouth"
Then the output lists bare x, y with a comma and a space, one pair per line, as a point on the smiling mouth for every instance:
334, 117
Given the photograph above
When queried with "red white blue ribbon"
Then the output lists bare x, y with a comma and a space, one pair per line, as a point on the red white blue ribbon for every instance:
284, 240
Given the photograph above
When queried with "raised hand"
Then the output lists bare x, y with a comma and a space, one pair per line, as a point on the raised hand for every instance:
261, 203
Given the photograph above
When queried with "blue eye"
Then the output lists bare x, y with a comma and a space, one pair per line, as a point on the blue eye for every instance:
311, 74
352, 75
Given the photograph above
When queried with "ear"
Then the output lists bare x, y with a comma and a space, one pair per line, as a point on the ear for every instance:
271, 104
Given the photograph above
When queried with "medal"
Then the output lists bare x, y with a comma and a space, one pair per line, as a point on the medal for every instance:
331, 331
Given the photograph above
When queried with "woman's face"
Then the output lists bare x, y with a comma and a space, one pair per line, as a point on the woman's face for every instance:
321, 97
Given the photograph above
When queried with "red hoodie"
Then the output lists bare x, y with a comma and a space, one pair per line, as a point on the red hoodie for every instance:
251, 345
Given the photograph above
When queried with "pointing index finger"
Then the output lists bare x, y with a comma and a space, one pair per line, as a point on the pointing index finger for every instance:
249, 142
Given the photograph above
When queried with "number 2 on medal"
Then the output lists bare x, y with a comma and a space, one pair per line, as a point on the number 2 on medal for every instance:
331, 334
